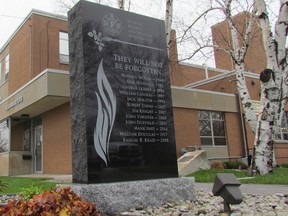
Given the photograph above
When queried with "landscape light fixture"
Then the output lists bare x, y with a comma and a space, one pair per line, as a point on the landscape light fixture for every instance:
25, 116
227, 185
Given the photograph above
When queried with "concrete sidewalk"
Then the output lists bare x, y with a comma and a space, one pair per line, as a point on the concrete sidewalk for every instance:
53, 177
257, 189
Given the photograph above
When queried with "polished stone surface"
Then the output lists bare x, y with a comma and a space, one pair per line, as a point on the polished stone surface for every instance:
122, 119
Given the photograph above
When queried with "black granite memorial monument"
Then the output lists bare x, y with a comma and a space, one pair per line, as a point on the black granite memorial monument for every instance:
122, 119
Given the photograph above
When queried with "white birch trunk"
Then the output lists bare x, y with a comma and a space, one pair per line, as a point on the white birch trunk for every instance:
168, 21
238, 53
272, 87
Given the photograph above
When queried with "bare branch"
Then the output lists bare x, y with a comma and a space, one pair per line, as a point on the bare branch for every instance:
195, 21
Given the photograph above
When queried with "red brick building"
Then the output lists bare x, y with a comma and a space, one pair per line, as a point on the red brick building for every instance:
35, 129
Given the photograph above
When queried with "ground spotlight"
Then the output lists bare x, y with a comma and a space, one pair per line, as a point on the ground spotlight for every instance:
227, 185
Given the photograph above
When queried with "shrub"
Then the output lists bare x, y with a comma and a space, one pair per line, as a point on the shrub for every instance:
59, 201
217, 165
284, 165
234, 165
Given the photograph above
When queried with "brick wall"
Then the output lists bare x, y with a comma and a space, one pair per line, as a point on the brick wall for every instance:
234, 135
186, 123
186, 128
20, 52
35, 48
57, 148
255, 59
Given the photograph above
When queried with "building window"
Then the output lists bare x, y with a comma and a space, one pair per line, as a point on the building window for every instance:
4, 136
7, 67
283, 135
63, 47
26, 141
212, 128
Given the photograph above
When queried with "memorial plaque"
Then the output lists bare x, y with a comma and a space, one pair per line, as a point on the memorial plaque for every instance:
122, 119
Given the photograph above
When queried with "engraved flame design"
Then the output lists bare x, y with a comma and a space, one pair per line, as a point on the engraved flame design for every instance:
106, 101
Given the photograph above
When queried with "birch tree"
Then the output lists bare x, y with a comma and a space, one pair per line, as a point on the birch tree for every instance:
274, 88
273, 85
168, 20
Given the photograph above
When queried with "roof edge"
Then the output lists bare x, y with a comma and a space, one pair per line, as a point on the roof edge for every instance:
219, 77
37, 12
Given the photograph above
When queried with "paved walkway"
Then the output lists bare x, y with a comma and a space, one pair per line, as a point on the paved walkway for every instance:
257, 189
56, 177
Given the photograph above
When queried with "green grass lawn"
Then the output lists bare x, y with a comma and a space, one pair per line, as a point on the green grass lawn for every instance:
16, 184
279, 176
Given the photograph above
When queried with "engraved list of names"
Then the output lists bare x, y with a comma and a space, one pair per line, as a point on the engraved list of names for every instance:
145, 99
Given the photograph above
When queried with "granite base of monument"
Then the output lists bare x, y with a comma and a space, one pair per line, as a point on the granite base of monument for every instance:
114, 198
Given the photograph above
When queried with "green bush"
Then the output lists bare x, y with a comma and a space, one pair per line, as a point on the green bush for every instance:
58, 201
234, 165
284, 165
217, 165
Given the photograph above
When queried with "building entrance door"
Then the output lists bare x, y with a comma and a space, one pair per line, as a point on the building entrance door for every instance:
38, 149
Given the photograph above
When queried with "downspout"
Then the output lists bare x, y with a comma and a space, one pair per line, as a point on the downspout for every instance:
243, 128
206, 71
31, 52
9, 125
48, 42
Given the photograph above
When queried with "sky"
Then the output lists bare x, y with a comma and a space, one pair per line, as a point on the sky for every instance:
13, 12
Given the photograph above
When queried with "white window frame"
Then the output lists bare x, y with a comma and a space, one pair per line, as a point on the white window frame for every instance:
212, 136
63, 47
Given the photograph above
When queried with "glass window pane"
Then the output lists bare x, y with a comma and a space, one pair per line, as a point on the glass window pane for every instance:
217, 115
215, 135
7, 66
203, 115
219, 141
218, 128
64, 58
205, 128
64, 35
285, 136
278, 136
4, 136
283, 123
283, 127
206, 141
63, 47
27, 143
